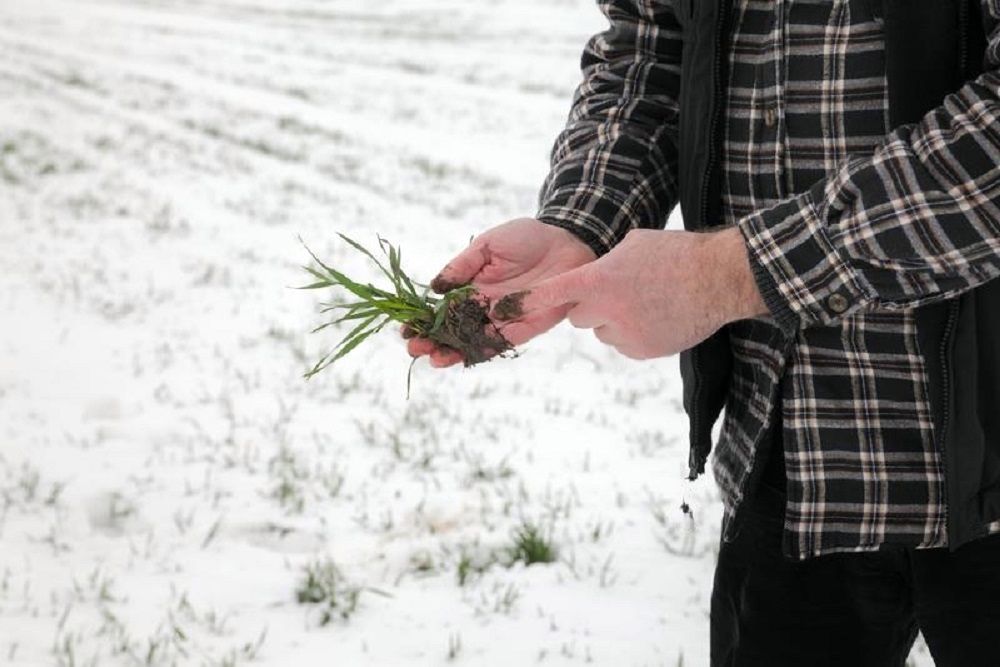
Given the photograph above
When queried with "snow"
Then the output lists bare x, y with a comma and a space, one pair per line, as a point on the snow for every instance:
167, 475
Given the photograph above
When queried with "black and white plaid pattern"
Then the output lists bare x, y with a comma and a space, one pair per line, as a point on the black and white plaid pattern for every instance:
849, 228
614, 166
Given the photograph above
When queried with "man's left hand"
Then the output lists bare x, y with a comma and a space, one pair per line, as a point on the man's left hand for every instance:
656, 293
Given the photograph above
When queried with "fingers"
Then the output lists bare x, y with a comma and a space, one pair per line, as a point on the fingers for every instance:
607, 335
561, 290
462, 269
633, 352
520, 332
584, 317
420, 346
442, 358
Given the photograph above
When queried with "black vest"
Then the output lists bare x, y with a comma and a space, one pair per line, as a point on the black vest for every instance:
932, 48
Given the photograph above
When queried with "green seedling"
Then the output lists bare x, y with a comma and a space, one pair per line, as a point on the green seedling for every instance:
456, 320
324, 585
531, 546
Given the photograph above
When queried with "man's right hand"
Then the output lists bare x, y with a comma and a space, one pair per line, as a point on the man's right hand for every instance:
508, 258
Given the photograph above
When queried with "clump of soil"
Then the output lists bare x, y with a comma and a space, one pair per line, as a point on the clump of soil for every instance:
467, 328
510, 307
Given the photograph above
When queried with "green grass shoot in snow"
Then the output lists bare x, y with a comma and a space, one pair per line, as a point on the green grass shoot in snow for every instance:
369, 308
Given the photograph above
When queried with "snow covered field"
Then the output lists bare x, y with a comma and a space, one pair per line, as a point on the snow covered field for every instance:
167, 477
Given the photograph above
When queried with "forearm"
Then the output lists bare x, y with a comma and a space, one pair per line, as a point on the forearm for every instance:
728, 264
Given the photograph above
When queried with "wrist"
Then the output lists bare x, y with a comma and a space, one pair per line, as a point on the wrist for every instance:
738, 290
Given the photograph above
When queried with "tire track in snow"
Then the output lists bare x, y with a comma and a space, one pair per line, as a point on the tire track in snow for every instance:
433, 156
402, 62
266, 163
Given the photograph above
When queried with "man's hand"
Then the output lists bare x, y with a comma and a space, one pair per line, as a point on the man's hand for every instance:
656, 293
507, 258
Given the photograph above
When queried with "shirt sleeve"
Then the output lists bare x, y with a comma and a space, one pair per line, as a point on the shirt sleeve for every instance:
915, 222
614, 166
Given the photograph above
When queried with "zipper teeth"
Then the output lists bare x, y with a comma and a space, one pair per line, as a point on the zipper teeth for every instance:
697, 465
699, 462
963, 61
713, 123
946, 399
963, 38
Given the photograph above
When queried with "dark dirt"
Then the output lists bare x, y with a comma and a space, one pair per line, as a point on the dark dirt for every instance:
510, 307
467, 328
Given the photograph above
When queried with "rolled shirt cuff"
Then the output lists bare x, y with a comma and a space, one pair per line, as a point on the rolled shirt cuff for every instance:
803, 279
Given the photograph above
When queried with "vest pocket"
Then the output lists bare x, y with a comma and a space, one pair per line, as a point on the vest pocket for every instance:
987, 300
972, 446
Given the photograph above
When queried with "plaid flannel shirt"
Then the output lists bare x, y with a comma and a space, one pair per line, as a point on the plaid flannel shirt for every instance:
849, 226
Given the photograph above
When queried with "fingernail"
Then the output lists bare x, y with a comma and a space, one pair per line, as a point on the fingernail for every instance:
442, 285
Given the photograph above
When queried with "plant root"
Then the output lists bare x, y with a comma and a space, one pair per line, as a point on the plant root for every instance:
467, 329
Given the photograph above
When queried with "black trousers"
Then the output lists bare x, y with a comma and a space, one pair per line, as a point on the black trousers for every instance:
852, 609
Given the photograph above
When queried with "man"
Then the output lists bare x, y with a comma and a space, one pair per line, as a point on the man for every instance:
839, 163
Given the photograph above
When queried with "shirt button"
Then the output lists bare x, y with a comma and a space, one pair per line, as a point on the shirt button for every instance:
770, 116
837, 303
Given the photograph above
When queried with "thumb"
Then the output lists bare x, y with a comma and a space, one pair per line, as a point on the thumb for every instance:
462, 269
559, 290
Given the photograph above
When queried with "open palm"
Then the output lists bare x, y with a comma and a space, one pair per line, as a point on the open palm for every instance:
509, 258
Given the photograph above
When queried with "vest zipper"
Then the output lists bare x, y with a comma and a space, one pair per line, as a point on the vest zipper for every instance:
963, 39
950, 524
697, 465
946, 401
713, 124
